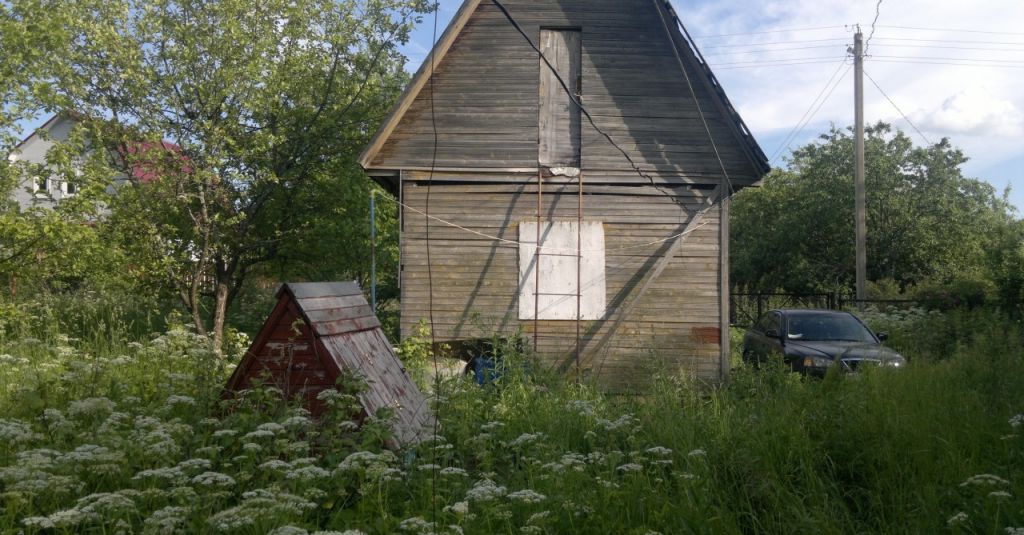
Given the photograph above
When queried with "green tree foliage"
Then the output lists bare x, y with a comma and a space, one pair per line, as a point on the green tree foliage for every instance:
265, 107
926, 220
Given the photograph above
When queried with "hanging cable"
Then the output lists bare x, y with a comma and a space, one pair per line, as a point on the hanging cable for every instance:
878, 13
781, 30
898, 110
572, 96
798, 127
813, 114
430, 279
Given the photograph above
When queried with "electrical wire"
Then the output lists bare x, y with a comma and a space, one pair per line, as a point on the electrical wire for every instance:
957, 41
954, 47
771, 50
951, 30
533, 245
760, 66
572, 96
430, 278
770, 61
886, 95
988, 65
878, 13
820, 105
781, 30
797, 127
771, 43
929, 58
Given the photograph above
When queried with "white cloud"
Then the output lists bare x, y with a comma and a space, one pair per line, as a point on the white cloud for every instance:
973, 112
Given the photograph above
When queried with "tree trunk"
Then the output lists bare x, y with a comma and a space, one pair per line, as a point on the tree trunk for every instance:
219, 313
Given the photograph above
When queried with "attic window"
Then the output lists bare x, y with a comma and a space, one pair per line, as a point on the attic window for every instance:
560, 267
559, 122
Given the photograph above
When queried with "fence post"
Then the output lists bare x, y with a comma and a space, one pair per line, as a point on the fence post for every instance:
760, 307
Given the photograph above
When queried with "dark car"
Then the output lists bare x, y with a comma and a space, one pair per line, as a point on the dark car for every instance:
811, 341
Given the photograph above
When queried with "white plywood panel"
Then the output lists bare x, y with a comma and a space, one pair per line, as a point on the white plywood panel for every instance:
555, 297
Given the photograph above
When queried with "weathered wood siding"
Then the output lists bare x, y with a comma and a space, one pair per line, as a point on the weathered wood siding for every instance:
486, 98
475, 278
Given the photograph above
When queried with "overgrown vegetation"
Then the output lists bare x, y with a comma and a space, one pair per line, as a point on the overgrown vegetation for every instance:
114, 435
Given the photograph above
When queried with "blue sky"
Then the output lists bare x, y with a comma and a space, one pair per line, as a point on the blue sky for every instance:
955, 68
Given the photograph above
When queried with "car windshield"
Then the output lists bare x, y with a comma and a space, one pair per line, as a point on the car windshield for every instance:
827, 327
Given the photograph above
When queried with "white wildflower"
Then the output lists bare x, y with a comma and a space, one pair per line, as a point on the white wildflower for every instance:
297, 422
213, 479
166, 521
1000, 494
16, 432
1017, 421
170, 473
91, 407
416, 524
527, 496
274, 428
491, 426
1014, 531
531, 530
453, 471
581, 407
697, 453
176, 400
428, 467
536, 518
524, 439
629, 467
288, 530
459, 508
259, 433
221, 433
197, 463
624, 421
659, 451
307, 473
485, 491
957, 519
984, 479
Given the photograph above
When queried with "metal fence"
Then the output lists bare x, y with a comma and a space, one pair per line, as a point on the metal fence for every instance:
746, 308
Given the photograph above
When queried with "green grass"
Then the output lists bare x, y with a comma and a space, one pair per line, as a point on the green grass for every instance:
109, 434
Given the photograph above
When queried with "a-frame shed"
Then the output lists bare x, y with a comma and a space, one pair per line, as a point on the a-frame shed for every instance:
315, 332
565, 168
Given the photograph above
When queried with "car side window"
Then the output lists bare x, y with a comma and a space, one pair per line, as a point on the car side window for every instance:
774, 322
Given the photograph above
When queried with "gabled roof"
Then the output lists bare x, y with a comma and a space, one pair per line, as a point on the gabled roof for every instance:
684, 45
316, 332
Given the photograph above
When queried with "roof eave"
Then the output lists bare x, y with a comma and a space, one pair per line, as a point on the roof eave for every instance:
419, 80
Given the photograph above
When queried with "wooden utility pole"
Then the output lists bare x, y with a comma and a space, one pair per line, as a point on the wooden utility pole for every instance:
860, 194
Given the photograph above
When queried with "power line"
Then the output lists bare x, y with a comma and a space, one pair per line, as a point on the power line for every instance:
770, 43
951, 30
771, 50
911, 123
572, 96
878, 13
989, 65
760, 66
979, 60
768, 61
809, 108
954, 47
781, 30
958, 41
788, 143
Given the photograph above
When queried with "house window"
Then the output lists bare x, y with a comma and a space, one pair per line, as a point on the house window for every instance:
70, 188
567, 273
41, 185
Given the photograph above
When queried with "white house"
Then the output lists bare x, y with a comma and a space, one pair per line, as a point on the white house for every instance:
43, 191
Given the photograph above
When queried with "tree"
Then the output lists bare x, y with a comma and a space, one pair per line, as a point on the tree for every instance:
925, 219
227, 116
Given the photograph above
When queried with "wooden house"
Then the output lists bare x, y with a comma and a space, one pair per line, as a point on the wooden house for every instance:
316, 332
595, 129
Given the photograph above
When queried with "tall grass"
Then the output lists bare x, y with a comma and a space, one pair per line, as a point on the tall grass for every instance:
120, 435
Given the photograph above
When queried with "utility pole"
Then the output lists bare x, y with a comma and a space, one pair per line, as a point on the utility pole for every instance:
860, 193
